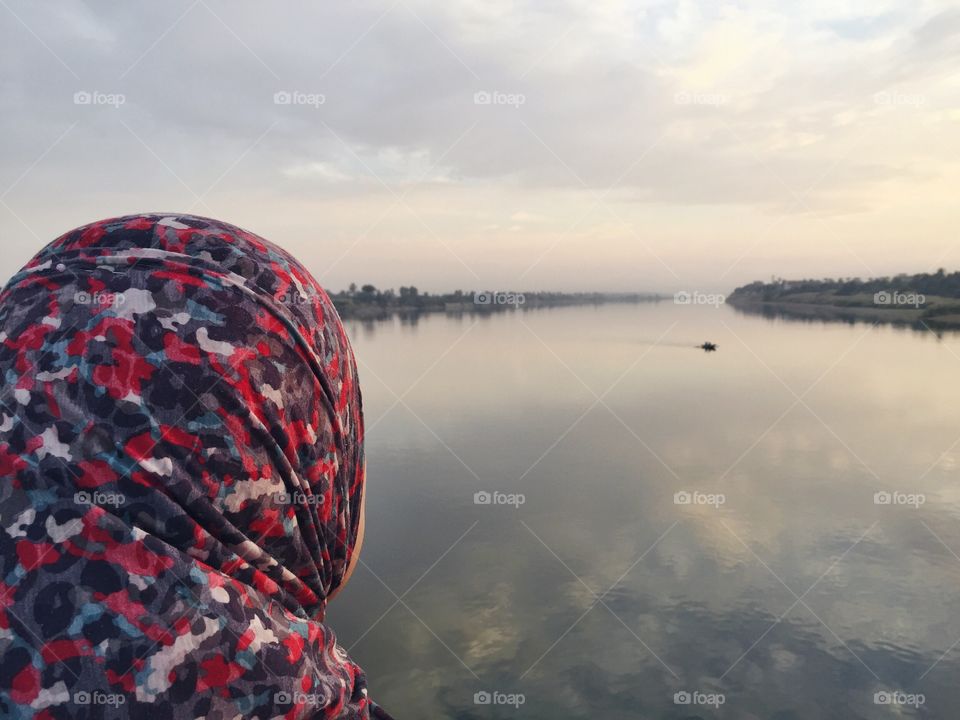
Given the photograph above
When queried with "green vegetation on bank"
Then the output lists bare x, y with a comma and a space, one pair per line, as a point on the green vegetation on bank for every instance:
924, 299
368, 301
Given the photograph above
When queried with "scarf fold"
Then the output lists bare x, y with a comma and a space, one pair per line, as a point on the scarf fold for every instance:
181, 472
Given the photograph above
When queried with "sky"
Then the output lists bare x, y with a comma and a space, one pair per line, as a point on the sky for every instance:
498, 144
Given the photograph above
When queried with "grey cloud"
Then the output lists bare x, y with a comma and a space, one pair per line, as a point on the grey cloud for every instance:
602, 87
206, 87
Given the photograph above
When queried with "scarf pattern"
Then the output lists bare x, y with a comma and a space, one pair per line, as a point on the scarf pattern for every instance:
181, 469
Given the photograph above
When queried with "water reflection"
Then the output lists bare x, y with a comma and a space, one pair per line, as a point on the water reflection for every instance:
796, 426
822, 314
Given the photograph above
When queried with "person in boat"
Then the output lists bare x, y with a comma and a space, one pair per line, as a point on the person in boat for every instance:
182, 479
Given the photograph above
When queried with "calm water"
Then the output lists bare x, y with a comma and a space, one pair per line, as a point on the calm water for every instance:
695, 597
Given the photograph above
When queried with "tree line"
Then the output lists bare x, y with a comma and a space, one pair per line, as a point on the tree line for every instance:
939, 283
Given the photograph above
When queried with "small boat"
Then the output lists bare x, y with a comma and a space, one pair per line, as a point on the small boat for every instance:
708, 347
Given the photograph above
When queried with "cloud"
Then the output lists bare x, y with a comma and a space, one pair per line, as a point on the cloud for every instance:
321, 170
647, 104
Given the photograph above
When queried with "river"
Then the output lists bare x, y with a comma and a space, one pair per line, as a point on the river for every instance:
574, 513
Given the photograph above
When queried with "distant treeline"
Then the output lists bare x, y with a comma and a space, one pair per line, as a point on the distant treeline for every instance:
369, 301
939, 284
924, 300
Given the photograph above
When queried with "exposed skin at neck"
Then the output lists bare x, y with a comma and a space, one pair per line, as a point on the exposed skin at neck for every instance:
355, 556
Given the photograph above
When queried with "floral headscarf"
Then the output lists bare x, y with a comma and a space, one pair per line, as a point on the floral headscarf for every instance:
181, 470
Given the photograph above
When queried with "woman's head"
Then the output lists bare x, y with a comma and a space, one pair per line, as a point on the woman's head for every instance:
181, 477
202, 375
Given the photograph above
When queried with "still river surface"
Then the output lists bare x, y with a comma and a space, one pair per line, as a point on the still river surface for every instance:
772, 529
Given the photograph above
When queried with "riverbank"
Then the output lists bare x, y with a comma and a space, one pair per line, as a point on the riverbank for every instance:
928, 313
382, 305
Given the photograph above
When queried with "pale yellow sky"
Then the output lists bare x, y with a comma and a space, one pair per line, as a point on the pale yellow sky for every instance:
590, 145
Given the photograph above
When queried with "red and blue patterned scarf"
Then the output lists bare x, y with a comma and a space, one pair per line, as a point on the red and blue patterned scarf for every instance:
181, 470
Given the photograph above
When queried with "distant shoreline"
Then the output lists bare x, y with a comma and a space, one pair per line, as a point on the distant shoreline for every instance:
925, 301
822, 309
377, 305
